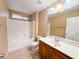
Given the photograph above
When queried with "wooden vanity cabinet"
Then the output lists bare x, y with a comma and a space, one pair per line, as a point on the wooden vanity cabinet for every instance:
47, 52
44, 50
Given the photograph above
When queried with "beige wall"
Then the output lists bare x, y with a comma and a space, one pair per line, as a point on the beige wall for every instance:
3, 35
59, 22
42, 26
3, 7
39, 23
35, 21
3, 27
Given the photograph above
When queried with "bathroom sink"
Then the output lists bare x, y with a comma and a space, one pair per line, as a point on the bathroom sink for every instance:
52, 40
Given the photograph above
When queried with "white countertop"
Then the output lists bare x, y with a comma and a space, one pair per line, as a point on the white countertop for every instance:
63, 47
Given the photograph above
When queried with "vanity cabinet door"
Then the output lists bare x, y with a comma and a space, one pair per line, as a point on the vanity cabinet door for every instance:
59, 55
55, 54
43, 50
52, 54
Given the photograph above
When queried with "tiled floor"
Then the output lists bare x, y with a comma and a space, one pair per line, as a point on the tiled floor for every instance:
23, 53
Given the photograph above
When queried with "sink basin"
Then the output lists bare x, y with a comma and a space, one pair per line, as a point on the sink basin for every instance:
53, 40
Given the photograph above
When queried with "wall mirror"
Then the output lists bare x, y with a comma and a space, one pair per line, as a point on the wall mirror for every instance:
65, 25
67, 28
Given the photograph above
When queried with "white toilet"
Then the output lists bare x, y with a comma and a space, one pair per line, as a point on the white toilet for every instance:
35, 45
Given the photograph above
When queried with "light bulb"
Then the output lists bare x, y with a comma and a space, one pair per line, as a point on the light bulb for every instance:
60, 7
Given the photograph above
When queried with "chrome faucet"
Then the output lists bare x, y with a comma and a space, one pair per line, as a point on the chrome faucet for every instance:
57, 42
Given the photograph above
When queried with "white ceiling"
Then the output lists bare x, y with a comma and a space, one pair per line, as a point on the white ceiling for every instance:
28, 6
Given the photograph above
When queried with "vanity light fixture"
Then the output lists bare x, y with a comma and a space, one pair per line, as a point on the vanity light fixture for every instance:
16, 15
60, 5
19, 17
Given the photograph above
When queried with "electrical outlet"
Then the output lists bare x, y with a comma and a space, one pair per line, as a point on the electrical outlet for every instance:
1, 56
